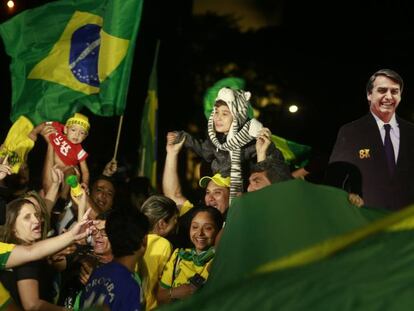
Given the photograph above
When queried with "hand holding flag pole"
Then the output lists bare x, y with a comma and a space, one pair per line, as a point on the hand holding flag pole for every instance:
5, 169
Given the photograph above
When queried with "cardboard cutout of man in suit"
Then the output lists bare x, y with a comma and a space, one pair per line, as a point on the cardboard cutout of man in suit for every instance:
361, 143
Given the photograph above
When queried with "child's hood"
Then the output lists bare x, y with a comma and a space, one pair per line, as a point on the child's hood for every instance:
237, 101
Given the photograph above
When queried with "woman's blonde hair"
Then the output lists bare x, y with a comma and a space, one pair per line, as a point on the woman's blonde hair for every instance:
158, 207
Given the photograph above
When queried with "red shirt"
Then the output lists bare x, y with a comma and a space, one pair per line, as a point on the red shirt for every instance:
69, 153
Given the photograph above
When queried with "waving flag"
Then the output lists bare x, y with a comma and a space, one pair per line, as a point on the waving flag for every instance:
294, 153
67, 55
17, 144
149, 133
300, 246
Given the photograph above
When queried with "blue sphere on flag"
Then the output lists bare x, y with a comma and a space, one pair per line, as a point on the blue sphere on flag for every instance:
84, 54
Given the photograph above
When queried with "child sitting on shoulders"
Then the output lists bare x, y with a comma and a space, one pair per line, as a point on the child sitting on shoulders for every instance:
232, 136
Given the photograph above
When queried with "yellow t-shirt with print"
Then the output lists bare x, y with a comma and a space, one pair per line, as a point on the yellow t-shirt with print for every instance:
156, 256
184, 269
5, 250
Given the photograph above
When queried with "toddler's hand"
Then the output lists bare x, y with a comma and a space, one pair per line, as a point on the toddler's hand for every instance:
173, 146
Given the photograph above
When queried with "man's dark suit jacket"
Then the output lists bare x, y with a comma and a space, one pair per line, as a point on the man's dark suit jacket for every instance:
360, 144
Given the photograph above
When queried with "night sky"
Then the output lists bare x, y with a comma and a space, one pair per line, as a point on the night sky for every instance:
319, 55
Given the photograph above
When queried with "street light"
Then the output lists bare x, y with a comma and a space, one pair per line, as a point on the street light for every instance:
293, 108
10, 4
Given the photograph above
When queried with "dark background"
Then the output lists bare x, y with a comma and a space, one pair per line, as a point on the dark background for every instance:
317, 55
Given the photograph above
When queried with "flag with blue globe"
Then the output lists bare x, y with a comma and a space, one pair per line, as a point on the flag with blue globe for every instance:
84, 54
67, 55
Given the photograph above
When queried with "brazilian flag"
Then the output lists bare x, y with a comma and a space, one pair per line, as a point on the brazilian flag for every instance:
67, 55
149, 129
294, 153
5, 250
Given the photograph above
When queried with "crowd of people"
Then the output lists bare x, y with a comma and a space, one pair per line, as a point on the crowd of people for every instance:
62, 250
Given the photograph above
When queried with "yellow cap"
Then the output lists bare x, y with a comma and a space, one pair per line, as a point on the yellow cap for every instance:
217, 179
79, 119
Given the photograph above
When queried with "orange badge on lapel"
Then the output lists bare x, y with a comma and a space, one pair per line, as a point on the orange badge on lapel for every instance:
364, 154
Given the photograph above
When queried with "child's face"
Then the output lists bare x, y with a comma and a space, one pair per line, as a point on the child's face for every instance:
203, 231
75, 133
222, 119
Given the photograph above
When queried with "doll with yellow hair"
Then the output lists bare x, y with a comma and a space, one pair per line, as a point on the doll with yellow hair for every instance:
64, 140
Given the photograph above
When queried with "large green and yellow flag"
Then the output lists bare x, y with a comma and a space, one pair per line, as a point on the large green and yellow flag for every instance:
300, 246
149, 134
71, 54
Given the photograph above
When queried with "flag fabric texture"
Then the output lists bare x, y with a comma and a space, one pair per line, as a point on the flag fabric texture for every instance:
149, 132
5, 250
17, 144
300, 246
67, 55
294, 153
5, 298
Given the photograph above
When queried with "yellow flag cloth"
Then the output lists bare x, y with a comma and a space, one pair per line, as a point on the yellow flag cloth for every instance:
17, 144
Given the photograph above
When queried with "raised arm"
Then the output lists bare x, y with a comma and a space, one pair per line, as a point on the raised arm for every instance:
110, 168
170, 182
36, 131
263, 142
85, 173
25, 253
48, 163
53, 191
5, 169
30, 298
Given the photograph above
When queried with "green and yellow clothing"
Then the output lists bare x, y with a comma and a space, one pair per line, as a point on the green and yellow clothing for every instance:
17, 144
156, 256
185, 263
187, 205
5, 250
4, 298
